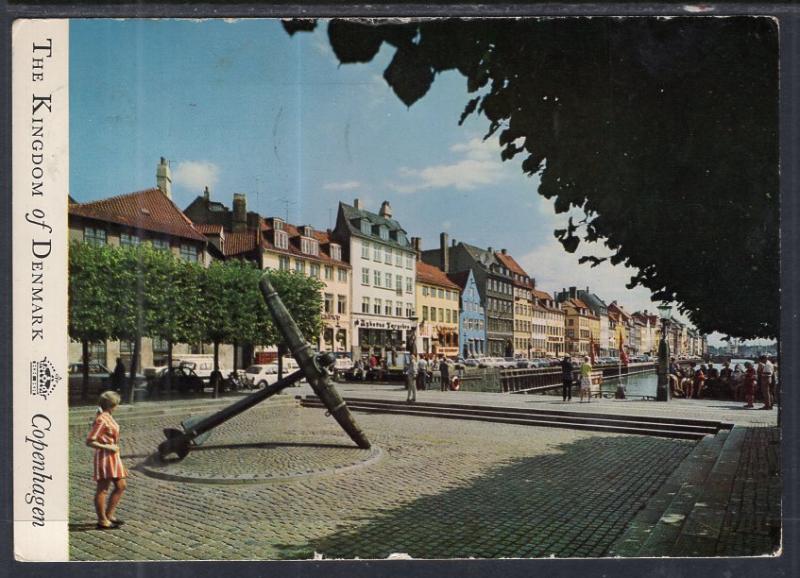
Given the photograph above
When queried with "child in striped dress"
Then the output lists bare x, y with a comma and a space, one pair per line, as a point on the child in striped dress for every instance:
108, 467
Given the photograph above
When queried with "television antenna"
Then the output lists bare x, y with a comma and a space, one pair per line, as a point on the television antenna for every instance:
286, 203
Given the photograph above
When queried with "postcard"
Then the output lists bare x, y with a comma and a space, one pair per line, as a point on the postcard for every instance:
462, 288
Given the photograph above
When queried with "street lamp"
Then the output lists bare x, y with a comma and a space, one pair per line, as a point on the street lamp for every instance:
662, 391
411, 336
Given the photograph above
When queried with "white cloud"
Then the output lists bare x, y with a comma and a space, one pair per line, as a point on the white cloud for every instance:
479, 165
342, 186
195, 174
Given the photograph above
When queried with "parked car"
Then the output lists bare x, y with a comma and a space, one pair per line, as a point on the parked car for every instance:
184, 379
262, 375
99, 377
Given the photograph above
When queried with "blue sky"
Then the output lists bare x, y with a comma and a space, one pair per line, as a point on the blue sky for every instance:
242, 107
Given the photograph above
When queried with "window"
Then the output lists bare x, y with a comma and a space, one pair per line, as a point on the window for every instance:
336, 252
309, 246
328, 303
433, 313
387, 307
365, 305
409, 262
376, 278
455, 316
376, 252
441, 315
398, 309
94, 236
376, 308
409, 284
328, 273
315, 270
365, 276
98, 351
365, 250
189, 252
440, 293
409, 310
341, 274
283, 263
388, 277
160, 245
366, 227
398, 259
300, 266
341, 304
383, 232
281, 240
447, 316
387, 256
398, 283
127, 240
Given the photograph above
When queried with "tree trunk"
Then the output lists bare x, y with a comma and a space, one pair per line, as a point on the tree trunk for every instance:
235, 355
281, 351
85, 370
169, 374
137, 347
215, 373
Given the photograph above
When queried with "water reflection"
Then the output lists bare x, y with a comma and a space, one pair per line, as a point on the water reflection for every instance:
640, 385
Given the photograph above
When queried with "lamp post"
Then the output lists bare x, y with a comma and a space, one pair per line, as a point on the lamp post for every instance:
662, 391
411, 336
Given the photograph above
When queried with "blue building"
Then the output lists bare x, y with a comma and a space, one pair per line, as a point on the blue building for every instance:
471, 319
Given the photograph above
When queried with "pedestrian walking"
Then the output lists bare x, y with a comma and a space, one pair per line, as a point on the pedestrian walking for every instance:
749, 384
444, 371
764, 373
566, 378
422, 372
108, 466
410, 371
586, 380
118, 376
738, 382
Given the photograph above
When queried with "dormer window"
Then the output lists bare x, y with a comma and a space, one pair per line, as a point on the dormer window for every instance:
277, 224
307, 231
383, 232
366, 227
401, 238
336, 251
309, 246
281, 239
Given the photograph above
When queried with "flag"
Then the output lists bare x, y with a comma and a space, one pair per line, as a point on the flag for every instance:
591, 349
623, 357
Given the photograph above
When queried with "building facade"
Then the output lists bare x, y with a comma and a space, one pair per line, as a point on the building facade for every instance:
472, 319
578, 336
555, 323
522, 287
437, 299
383, 265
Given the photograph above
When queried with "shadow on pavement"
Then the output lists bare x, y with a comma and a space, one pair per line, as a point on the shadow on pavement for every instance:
574, 502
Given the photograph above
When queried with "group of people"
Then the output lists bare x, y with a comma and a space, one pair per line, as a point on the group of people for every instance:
418, 373
584, 378
737, 383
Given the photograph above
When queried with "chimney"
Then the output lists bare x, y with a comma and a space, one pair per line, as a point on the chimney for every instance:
444, 258
239, 212
573, 292
416, 244
489, 249
206, 194
503, 251
386, 210
357, 204
453, 243
164, 178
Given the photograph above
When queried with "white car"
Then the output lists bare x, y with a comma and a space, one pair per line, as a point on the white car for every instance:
267, 373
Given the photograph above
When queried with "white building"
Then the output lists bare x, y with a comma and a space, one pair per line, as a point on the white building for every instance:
384, 270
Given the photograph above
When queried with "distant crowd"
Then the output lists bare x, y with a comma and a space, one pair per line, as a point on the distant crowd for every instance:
751, 383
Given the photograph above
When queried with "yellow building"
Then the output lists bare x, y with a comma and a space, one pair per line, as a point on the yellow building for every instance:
555, 322
578, 331
437, 308
310, 252
522, 287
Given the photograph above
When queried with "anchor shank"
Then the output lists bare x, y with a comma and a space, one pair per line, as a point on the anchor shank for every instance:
318, 378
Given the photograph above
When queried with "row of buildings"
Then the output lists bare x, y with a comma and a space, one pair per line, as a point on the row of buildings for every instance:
381, 289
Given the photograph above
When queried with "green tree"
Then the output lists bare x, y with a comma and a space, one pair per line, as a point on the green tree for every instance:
89, 300
303, 299
662, 131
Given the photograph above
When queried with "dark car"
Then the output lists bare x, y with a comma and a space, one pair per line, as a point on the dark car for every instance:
184, 379
99, 378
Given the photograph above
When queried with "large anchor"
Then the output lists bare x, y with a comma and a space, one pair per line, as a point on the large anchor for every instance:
315, 368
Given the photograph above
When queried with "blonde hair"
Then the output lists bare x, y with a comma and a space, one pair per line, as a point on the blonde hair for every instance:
108, 400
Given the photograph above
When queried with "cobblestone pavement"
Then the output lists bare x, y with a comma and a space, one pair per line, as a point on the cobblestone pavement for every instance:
442, 489
752, 526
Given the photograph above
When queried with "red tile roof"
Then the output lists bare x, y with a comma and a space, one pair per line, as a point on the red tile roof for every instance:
510, 263
434, 276
238, 243
543, 295
148, 210
294, 243
208, 229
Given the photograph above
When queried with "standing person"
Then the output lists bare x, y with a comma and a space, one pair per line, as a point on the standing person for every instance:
422, 371
738, 382
108, 467
118, 376
699, 381
410, 371
444, 370
566, 378
726, 380
586, 380
749, 384
765, 370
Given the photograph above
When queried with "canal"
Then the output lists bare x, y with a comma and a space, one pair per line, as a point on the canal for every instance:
640, 385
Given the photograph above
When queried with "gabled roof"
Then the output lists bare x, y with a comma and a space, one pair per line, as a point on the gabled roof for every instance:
148, 210
323, 237
350, 214
434, 276
544, 295
511, 264
460, 278
242, 242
